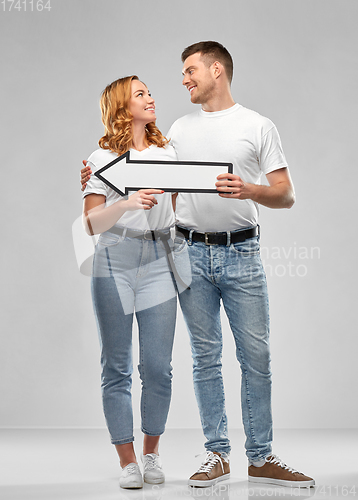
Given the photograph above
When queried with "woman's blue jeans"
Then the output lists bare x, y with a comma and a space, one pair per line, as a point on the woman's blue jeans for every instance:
132, 274
234, 275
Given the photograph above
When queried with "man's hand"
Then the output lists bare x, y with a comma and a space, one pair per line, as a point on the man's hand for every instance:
279, 194
141, 199
232, 186
85, 175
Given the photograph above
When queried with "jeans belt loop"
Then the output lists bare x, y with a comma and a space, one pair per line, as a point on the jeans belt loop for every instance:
228, 241
190, 242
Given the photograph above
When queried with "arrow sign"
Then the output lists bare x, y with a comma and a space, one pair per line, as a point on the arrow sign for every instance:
124, 174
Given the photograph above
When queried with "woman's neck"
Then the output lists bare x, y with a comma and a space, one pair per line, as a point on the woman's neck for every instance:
139, 141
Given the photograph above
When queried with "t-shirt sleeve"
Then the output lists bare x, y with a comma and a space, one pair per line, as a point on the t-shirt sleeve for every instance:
272, 156
94, 185
171, 136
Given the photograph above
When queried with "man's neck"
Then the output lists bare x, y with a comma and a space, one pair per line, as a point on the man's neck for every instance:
218, 103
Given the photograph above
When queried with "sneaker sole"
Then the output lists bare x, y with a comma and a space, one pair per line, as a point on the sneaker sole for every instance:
209, 482
134, 484
131, 486
159, 480
281, 482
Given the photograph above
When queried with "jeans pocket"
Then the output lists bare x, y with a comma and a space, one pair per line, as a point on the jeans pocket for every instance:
179, 245
247, 248
108, 239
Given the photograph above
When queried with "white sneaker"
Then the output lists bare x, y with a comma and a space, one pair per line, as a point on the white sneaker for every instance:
153, 473
131, 477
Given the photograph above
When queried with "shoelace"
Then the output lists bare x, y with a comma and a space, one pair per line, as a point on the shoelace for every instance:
210, 462
275, 460
151, 462
131, 468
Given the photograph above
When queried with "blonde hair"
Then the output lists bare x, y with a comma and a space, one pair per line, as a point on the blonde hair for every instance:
117, 119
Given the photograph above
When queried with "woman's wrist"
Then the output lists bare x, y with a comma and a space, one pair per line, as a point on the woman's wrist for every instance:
125, 204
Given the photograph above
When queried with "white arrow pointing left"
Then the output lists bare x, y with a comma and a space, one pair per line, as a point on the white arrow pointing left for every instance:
124, 174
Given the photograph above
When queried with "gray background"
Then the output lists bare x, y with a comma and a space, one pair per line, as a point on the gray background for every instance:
295, 62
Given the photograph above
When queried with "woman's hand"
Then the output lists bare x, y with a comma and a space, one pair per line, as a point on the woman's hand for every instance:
142, 199
99, 218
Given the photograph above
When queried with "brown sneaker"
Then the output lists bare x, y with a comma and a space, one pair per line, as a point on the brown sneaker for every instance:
274, 471
213, 469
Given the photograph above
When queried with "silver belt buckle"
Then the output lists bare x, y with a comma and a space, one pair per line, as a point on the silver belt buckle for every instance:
207, 239
145, 235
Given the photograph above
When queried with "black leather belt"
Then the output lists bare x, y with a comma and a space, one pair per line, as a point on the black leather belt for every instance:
219, 238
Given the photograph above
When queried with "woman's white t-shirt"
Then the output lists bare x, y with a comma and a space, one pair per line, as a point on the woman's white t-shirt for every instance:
160, 216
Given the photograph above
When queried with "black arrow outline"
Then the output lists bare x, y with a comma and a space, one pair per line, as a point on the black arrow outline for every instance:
126, 155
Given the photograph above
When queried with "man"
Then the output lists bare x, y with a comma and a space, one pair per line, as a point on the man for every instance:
222, 233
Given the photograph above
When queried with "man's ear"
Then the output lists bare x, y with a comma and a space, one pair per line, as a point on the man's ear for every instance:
217, 68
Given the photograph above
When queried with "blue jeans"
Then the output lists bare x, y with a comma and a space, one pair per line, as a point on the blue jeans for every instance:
131, 274
233, 274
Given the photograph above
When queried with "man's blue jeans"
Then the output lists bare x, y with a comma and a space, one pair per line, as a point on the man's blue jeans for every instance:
233, 274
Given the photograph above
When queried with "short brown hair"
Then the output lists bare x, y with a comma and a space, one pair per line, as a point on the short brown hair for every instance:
211, 52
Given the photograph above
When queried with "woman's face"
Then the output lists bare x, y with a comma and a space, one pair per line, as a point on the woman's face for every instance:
141, 104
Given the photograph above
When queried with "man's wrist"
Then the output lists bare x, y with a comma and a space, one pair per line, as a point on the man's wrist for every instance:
252, 192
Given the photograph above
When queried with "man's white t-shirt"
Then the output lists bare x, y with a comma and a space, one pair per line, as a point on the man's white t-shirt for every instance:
237, 135
160, 216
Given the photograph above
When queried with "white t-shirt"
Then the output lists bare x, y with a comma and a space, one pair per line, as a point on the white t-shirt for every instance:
160, 216
237, 135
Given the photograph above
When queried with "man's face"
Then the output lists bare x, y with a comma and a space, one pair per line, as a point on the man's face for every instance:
198, 79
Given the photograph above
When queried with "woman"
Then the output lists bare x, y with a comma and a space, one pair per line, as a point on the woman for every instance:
131, 273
